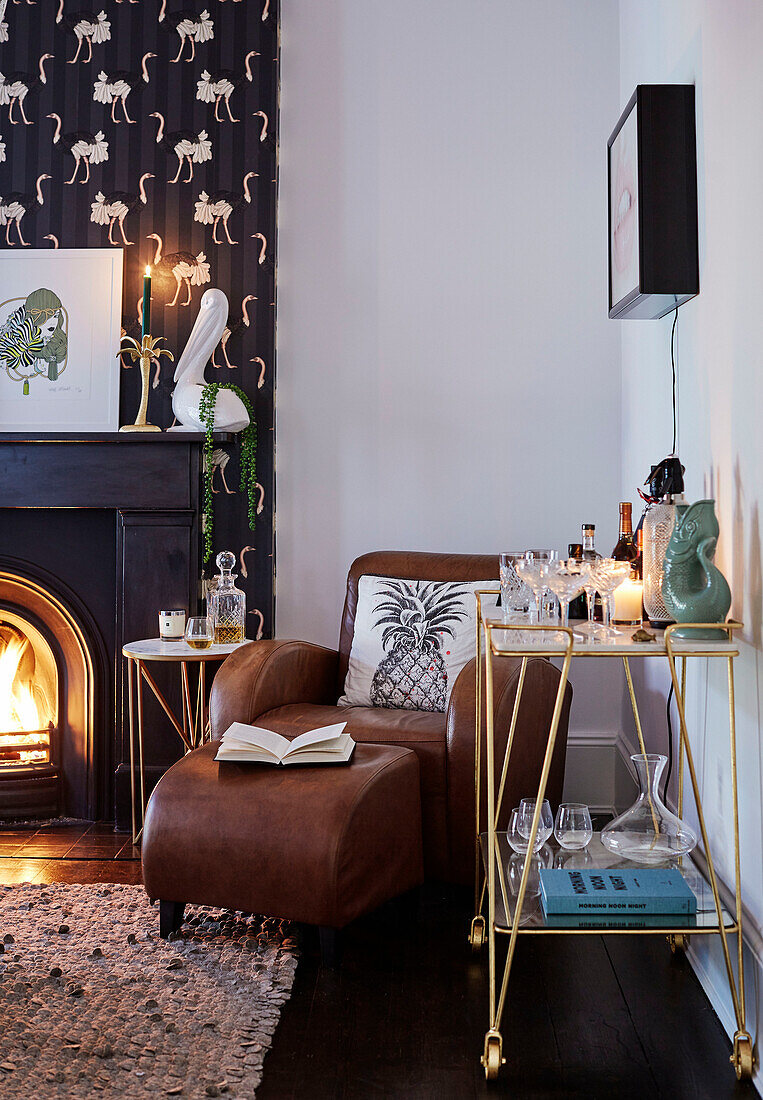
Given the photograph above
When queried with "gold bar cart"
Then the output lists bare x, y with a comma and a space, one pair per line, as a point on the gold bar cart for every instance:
501, 911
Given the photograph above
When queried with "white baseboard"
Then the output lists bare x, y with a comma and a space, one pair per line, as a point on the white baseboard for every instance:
712, 979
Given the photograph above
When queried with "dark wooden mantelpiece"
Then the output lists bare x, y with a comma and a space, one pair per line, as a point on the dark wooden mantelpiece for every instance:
116, 517
124, 470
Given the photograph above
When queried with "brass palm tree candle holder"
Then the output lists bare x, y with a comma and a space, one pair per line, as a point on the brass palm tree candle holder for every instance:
147, 351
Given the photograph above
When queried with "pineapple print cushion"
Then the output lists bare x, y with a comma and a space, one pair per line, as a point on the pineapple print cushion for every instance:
411, 640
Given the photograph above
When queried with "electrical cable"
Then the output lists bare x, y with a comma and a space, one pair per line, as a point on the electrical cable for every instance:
670, 747
673, 371
673, 451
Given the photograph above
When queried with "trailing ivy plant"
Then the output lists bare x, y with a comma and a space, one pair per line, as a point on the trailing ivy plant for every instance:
248, 457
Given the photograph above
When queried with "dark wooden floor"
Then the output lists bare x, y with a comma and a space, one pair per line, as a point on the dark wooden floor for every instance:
589, 1017
82, 852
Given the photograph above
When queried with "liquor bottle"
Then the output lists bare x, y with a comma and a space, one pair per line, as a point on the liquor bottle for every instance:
577, 606
626, 549
590, 553
589, 535
638, 562
228, 608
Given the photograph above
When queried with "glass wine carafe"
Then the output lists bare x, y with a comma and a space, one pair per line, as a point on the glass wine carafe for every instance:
227, 604
648, 832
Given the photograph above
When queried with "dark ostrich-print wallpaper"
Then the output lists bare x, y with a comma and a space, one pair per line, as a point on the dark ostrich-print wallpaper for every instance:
152, 125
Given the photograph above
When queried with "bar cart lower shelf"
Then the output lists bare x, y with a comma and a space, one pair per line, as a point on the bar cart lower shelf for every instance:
507, 890
534, 921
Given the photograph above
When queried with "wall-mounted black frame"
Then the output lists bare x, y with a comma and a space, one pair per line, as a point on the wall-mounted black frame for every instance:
653, 232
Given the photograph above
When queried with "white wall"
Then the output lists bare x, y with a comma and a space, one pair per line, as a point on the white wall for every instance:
447, 375
448, 378
715, 44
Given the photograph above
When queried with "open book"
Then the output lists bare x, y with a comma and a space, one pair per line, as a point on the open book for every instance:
253, 744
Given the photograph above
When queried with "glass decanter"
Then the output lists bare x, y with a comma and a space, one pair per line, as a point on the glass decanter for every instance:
648, 832
227, 604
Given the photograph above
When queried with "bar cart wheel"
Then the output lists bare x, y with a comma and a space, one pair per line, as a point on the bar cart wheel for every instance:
743, 1058
678, 942
492, 1058
477, 934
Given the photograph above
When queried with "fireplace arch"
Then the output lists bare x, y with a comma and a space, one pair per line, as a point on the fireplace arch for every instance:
35, 603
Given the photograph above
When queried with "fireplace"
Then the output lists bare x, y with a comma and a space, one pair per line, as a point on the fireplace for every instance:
28, 719
49, 653
97, 533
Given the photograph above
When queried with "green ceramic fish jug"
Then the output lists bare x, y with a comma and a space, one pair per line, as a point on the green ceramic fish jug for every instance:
693, 588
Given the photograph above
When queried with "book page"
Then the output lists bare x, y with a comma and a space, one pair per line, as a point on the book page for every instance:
247, 754
339, 755
316, 738
240, 735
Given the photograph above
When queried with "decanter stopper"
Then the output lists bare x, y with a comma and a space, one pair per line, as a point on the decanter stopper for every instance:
229, 603
226, 560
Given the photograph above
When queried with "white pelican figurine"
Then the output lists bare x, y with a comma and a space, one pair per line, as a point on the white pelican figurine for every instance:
230, 414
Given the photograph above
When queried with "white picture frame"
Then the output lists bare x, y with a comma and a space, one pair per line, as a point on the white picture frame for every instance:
60, 325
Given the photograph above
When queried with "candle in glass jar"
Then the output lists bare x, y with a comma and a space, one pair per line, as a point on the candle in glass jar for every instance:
628, 601
146, 328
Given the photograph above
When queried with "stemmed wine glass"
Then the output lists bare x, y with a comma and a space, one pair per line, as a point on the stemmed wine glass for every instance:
590, 587
533, 570
610, 575
566, 580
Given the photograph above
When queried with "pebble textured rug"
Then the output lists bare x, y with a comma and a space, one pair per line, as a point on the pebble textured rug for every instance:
93, 1002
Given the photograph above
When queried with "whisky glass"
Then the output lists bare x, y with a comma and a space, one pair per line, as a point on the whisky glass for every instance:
572, 828
517, 841
199, 633
515, 595
525, 820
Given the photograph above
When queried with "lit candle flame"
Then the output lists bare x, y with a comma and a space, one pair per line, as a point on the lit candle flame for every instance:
148, 271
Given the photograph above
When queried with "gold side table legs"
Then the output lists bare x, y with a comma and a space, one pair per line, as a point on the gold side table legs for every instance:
742, 1057
135, 706
192, 730
488, 805
492, 1057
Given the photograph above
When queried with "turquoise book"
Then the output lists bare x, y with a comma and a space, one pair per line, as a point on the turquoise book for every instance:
648, 891
608, 922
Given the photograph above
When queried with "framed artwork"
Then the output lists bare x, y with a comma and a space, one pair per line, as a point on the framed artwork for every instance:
60, 316
652, 191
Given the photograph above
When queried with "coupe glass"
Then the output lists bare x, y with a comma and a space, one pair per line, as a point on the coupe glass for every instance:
199, 633
610, 574
515, 595
533, 570
573, 828
566, 580
525, 820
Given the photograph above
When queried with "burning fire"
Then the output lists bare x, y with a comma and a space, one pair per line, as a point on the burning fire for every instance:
23, 718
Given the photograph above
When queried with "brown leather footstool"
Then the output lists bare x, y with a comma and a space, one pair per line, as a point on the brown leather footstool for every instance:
321, 845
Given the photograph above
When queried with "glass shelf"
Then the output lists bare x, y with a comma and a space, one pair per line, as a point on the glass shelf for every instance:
509, 870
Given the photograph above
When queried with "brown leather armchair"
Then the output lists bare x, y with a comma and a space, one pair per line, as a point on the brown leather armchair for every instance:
293, 686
